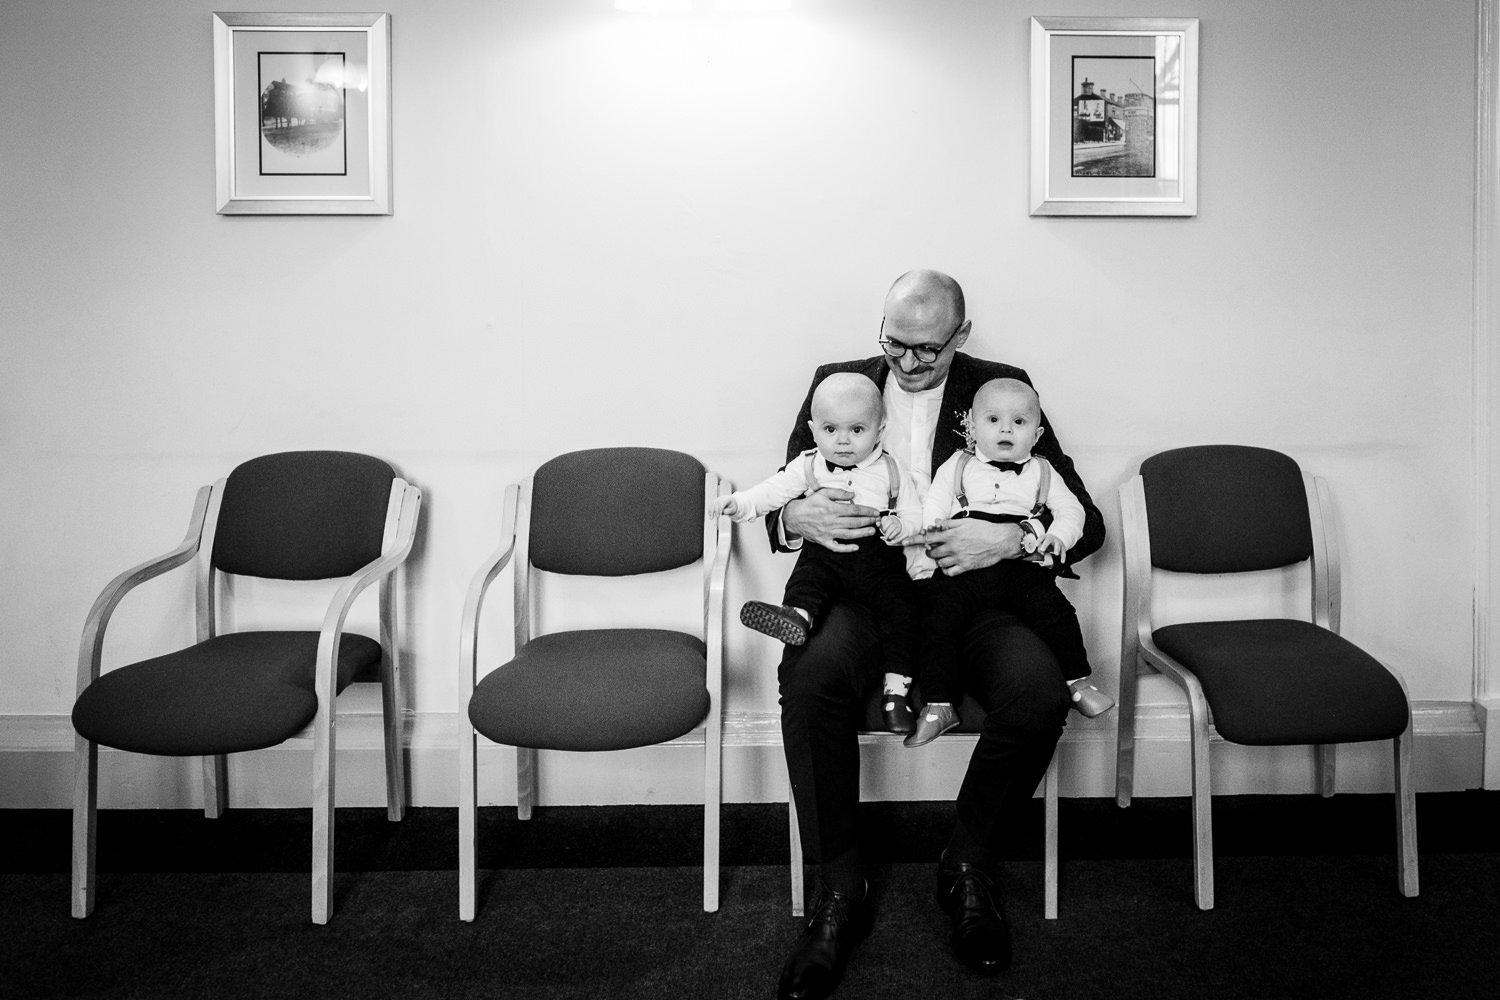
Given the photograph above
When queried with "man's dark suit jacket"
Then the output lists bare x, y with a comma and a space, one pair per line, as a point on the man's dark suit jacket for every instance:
964, 379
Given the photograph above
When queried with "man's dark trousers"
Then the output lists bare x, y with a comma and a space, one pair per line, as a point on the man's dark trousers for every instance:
824, 687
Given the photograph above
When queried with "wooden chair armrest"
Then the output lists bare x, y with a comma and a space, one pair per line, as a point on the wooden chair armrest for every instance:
468, 643
719, 572
91, 648
713, 632
1184, 678
343, 598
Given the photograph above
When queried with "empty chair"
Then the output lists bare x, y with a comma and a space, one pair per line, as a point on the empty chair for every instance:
311, 515
625, 513
1228, 509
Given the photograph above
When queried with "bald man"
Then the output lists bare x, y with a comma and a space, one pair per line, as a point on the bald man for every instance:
925, 383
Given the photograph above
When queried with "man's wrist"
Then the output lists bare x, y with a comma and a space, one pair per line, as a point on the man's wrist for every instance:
789, 539
1008, 545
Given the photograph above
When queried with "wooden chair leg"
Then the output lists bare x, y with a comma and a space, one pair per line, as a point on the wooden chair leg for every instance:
1406, 815
713, 777
1125, 729
1203, 833
468, 800
1327, 760
799, 872
395, 754
525, 781
1049, 878
392, 705
215, 785
322, 806
85, 830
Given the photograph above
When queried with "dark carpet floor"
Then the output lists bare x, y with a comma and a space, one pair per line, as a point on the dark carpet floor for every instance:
606, 903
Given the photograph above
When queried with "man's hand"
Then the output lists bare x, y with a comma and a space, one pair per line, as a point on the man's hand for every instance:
958, 546
821, 517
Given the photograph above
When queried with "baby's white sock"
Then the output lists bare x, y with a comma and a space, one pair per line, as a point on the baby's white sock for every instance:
896, 684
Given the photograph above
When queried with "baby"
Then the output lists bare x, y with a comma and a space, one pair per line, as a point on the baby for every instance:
848, 418
1001, 481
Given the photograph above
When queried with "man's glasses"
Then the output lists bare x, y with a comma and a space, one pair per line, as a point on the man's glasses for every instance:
926, 355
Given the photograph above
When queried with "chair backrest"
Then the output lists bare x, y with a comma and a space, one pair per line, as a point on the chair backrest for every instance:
1226, 509
302, 515
617, 512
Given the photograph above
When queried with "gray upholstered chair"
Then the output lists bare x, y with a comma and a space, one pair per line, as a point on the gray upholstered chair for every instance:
1227, 509
872, 731
311, 515
629, 513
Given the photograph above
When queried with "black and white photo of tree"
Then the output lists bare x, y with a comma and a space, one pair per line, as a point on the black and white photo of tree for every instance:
302, 113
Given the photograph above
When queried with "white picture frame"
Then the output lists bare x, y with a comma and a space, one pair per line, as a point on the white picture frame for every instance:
1114, 116
302, 114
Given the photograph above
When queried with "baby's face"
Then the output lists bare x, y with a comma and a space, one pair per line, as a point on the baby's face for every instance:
845, 430
1007, 425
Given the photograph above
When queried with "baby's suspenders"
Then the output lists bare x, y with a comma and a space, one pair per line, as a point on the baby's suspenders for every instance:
892, 476
1043, 486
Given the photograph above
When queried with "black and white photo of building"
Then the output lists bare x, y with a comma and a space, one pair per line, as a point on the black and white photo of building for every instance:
1114, 116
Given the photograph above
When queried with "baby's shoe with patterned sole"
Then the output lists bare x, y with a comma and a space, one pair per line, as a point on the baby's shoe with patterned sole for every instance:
776, 620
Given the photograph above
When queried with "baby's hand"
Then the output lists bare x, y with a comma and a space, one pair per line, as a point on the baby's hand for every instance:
890, 528
726, 505
1051, 545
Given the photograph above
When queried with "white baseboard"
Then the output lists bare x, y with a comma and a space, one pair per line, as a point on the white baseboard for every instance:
1456, 748
1487, 712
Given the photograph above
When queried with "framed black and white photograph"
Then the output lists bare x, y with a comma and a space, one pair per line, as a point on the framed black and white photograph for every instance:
302, 114
1114, 116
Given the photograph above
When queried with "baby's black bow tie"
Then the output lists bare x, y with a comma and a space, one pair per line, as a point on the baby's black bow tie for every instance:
1008, 466
837, 468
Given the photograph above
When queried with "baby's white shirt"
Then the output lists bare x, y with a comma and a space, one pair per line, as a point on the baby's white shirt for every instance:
995, 492
868, 481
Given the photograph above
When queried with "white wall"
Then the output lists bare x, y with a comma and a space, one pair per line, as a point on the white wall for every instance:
684, 215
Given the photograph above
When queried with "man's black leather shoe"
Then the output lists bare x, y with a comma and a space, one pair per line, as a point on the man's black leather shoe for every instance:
981, 934
817, 961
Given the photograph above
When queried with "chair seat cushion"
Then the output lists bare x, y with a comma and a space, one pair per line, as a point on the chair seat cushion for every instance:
595, 689
1278, 682
242, 691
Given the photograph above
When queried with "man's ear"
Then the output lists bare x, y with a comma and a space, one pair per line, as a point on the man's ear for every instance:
960, 338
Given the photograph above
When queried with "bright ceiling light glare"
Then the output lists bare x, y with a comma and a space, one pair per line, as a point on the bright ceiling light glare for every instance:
654, 7
751, 6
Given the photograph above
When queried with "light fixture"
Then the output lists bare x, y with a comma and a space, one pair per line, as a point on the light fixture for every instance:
654, 7
752, 6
